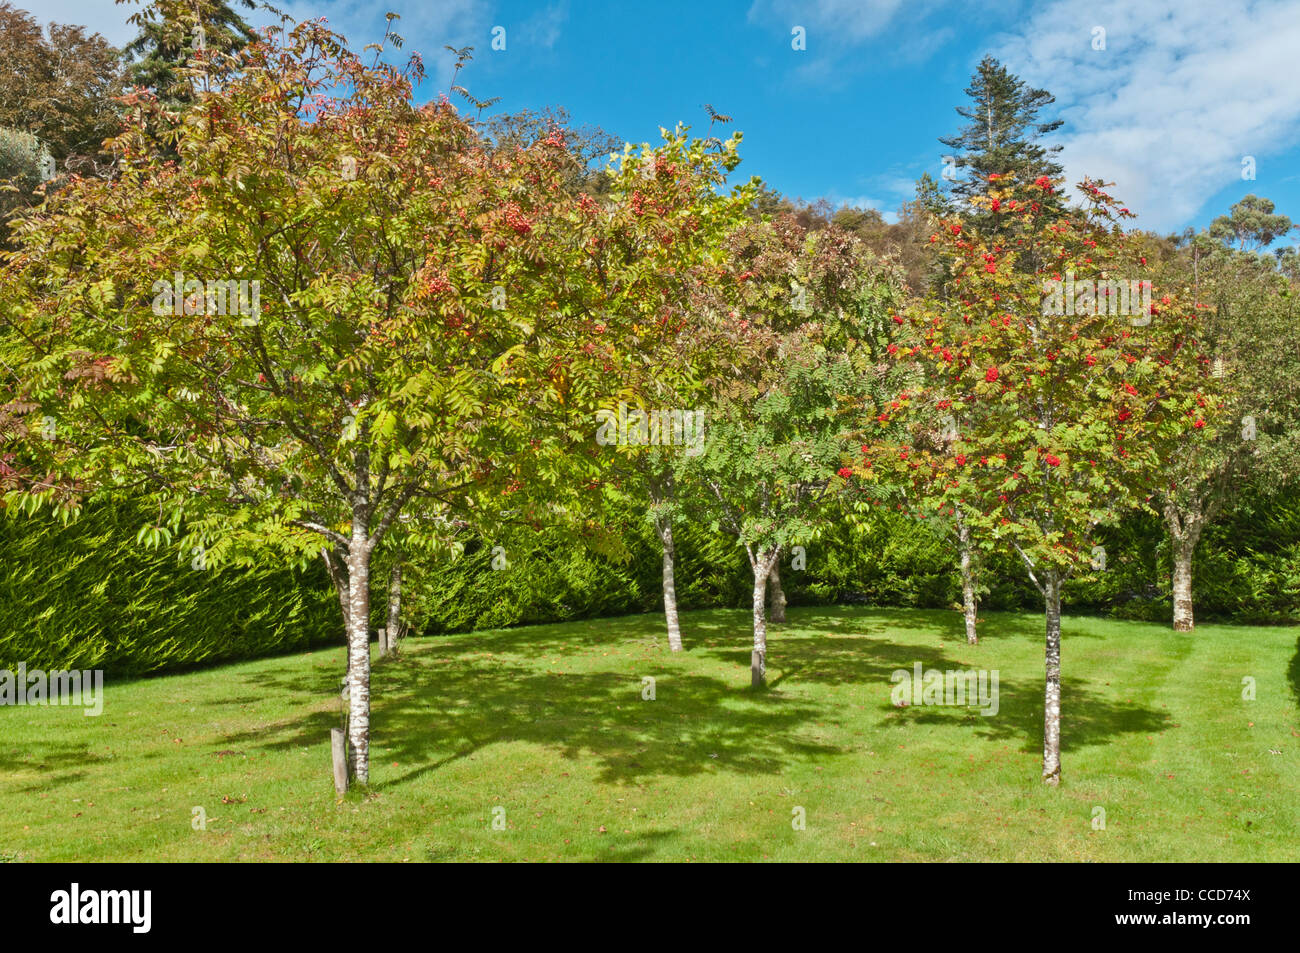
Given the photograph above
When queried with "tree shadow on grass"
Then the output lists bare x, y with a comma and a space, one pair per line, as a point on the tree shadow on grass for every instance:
853, 647
949, 623
65, 761
618, 848
1293, 673
322, 681
644, 845
1086, 718
695, 724
569, 638
865, 619
870, 660
429, 711
434, 708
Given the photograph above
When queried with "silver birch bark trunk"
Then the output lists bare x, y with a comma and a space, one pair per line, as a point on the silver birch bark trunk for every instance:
1052, 690
969, 600
339, 759
359, 652
1184, 532
777, 598
664, 528
338, 569
762, 566
1184, 620
394, 608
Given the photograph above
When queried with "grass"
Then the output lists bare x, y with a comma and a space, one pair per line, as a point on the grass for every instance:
549, 724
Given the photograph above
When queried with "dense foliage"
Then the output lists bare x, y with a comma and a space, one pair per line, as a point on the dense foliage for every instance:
85, 595
150, 612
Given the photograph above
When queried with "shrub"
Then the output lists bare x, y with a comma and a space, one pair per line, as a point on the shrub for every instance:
85, 595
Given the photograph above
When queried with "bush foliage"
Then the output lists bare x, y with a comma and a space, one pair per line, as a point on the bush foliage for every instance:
151, 612
87, 595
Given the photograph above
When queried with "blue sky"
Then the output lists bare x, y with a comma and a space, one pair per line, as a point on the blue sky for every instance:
1181, 92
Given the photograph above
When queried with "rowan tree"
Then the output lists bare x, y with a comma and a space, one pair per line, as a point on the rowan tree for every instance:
398, 342
654, 249
806, 314
1062, 396
770, 464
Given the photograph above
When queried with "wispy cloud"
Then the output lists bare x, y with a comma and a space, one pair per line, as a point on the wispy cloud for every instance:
886, 193
842, 20
835, 31
1182, 91
543, 28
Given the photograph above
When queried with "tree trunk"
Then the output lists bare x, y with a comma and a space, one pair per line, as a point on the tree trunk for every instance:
394, 608
762, 566
339, 757
664, 527
1184, 547
359, 653
1052, 692
778, 594
969, 599
1184, 526
337, 566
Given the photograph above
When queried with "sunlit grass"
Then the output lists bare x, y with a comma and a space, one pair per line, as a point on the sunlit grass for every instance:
549, 724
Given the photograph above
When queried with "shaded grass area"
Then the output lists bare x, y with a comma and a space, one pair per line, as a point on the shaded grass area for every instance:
547, 727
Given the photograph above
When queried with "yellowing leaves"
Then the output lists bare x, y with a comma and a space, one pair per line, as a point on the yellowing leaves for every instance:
385, 423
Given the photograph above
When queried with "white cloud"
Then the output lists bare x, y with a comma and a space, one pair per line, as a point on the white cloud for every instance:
888, 191
543, 27
901, 187
835, 31
851, 20
1183, 90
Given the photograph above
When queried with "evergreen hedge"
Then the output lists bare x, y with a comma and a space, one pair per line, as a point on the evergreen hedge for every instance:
86, 595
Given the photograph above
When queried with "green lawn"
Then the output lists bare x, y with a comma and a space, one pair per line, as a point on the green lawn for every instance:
549, 724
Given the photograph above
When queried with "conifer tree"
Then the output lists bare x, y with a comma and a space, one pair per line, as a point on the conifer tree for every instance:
1001, 138
173, 33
